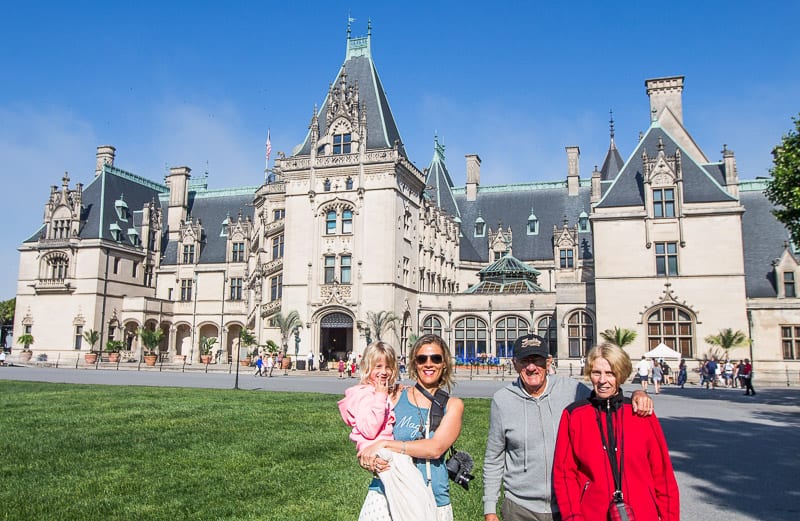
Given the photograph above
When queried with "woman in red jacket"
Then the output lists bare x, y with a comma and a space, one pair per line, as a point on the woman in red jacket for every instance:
606, 453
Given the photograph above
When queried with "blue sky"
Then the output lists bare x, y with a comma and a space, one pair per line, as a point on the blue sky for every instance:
198, 84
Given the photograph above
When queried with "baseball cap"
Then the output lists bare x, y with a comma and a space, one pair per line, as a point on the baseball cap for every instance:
529, 345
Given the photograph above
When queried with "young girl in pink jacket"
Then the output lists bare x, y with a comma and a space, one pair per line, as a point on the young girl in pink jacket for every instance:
367, 408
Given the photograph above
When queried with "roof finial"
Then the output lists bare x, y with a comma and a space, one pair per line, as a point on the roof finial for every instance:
350, 20
369, 26
611, 124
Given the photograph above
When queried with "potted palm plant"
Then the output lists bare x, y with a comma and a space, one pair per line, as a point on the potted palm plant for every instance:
248, 339
113, 347
92, 337
26, 340
206, 344
150, 340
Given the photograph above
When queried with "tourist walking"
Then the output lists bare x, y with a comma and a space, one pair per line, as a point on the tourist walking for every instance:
643, 372
747, 378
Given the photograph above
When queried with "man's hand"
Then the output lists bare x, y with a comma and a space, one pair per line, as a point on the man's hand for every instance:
490, 517
642, 403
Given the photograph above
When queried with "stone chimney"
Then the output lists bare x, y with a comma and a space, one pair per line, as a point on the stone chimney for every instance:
473, 176
573, 169
665, 93
178, 183
596, 185
105, 156
731, 175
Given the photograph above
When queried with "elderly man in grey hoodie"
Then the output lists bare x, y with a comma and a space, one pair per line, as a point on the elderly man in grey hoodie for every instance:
523, 424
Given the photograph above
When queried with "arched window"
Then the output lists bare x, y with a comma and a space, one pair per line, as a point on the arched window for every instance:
583, 223
471, 335
506, 331
57, 267
347, 221
580, 331
480, 227
330, 222
432, 326
672, 326
546, 328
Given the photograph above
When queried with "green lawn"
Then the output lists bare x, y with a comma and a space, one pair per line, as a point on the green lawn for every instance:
86, 452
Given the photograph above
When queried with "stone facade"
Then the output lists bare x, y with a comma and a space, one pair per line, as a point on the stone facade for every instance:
669, 244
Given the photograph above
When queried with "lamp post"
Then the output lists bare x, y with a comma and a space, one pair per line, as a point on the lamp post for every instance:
238, 352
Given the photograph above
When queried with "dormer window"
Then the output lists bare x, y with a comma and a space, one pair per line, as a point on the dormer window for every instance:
122, 209
583, 223
225, 226
341, 143
133, 236
663, 203
116, 232
480, 227
533, 224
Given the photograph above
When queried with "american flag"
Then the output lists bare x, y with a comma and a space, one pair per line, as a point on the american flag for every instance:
269, 148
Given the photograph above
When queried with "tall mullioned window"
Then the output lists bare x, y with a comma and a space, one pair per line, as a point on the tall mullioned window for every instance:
188, 253
663, 202
237, 255
342, 143
277, 247
580, 333
471, 335
186, 290
236, 288
506, 332
566, 258
347, 221
330, 269
344, 269
666, 259
789, 288
790, 340
330, 222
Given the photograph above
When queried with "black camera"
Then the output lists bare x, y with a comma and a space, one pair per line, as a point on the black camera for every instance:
459, 466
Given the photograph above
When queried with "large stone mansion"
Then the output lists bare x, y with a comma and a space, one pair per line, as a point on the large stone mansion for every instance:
669, 243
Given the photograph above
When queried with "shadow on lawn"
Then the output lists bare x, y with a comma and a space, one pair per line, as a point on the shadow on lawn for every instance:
721, 454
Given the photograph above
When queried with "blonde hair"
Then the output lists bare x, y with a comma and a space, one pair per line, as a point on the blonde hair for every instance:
372, 353
617, 358
446, 379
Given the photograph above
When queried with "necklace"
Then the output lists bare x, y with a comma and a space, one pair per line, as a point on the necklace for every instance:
422, 423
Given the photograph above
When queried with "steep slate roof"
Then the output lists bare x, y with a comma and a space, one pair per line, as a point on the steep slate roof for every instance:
98, 200
211, 208
763, 238
381, 128
612, 164
438, 182
511, 205
699, 185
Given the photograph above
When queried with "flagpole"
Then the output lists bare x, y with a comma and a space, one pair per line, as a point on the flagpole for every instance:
269, 151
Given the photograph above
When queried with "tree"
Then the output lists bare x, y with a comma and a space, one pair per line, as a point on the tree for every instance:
784, 187
380, 322
619, 336
287, 324
7, 308
92, 337
728, 339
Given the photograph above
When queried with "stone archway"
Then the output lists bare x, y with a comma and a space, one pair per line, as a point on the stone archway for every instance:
336, 335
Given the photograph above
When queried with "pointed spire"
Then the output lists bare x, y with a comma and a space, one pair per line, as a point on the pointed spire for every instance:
611, 127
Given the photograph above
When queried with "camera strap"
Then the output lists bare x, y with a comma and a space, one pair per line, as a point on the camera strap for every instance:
438, 403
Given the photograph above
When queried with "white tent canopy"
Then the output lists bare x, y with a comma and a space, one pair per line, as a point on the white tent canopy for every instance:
663, 351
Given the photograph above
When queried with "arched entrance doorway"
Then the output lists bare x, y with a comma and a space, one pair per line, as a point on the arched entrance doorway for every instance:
336, 335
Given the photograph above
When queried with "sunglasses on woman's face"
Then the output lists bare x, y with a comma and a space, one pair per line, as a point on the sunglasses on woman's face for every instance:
422, 359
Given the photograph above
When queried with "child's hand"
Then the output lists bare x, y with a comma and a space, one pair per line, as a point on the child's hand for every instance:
381, 386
